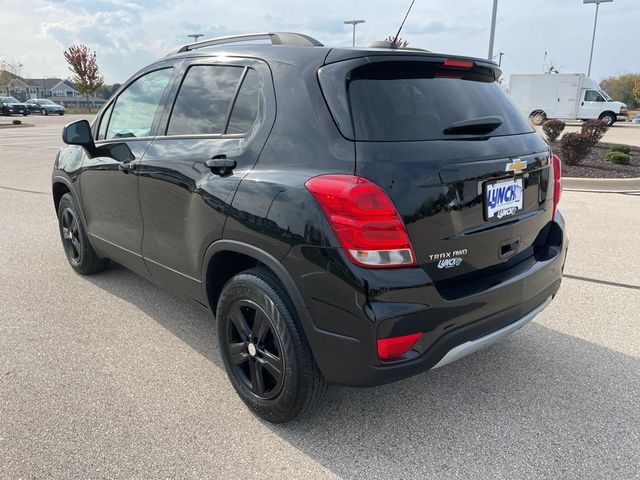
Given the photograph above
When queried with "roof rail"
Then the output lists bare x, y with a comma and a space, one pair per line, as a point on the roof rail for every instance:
277, 38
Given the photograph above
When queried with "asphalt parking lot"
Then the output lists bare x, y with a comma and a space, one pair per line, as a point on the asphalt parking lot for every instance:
110, 377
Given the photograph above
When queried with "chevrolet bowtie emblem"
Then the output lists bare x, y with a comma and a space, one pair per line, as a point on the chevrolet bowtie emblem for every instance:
516, 166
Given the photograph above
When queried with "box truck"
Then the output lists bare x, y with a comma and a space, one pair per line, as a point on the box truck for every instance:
571, 96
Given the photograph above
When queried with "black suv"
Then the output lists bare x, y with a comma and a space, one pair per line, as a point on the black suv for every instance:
350, 216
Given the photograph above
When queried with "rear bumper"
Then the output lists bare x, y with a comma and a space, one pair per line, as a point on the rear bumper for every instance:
349, 308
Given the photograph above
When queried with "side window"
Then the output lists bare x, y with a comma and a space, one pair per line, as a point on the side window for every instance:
104, 122
136, 107
204, 100
593, 96
245, 110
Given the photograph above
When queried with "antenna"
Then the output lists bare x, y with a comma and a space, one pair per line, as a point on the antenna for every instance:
402, 24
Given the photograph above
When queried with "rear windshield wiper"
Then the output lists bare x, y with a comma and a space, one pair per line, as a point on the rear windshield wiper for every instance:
479, 126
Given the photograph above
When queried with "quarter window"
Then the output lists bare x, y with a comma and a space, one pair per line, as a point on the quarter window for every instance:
245, 109
204, 100
136, 107
104, 122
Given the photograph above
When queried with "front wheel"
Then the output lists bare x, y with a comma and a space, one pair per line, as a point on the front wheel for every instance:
80, 254
608, 118
44, 112
265, 352
538, 117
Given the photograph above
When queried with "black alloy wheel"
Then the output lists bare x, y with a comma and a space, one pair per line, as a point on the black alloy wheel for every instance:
265, 352
255, 349
71, 238
80, 254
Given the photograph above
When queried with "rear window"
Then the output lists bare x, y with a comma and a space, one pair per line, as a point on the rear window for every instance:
412, 101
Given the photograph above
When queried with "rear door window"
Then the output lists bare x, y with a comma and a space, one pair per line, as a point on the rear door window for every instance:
412, 101
204, 100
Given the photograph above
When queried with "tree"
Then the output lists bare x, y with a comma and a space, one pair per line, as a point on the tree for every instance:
399, 43
621, 88
636, 91
11, 67
83, 65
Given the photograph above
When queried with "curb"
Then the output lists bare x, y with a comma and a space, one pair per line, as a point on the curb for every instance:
618, 185
11, 125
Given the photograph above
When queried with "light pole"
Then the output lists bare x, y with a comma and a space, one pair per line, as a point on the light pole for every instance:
492, 35
196, 36
595, 23
354, 23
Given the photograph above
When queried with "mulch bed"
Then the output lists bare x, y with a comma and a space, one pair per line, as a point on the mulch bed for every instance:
595, 166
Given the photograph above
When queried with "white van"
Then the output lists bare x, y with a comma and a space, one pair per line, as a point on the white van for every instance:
572, 96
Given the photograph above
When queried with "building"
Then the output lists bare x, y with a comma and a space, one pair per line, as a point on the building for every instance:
61, 91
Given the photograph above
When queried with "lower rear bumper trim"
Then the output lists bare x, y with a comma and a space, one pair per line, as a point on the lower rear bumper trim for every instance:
468, 348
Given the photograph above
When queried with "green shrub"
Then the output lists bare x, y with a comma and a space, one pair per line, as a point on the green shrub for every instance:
574, 147
594, 130
620, 148
552, 129
618, 158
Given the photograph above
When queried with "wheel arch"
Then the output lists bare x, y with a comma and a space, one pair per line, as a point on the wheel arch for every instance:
59, 188
225, 258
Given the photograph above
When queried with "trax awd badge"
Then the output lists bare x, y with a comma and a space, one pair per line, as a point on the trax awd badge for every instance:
449, 259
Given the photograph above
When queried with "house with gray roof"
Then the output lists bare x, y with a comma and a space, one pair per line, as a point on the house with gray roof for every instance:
61, 91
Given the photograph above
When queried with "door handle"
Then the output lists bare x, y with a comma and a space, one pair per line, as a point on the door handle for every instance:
221, 165
126, 167
583, 104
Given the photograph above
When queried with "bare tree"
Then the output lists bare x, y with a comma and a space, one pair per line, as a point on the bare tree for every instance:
11, 67
83, 65
399, 42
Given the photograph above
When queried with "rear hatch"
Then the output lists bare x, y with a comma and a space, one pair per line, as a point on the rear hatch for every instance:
465, 169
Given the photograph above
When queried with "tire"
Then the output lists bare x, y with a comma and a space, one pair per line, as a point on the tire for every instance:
608, 118
44, 112
259, 333
79, 252
538, 117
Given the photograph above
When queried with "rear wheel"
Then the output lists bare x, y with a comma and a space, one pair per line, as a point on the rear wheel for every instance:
79, 252
265, 352
538, 117
608, 118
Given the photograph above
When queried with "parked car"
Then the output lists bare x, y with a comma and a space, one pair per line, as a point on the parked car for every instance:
44, 107
396, 214
12, 106
636, 119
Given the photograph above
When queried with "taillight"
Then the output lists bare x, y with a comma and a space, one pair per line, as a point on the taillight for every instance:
557, 182
394, 347
364, 219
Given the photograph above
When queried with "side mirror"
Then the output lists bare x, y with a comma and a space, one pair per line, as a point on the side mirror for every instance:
79, 133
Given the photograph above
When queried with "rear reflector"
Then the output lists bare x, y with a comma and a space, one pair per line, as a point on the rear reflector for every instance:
456, 63
394, 347
557, 182
364, 219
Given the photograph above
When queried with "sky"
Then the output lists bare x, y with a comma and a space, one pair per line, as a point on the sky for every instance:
129, 34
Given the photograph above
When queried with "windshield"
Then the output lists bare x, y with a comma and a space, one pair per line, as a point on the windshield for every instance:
412, 101
9, 100
604, 94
